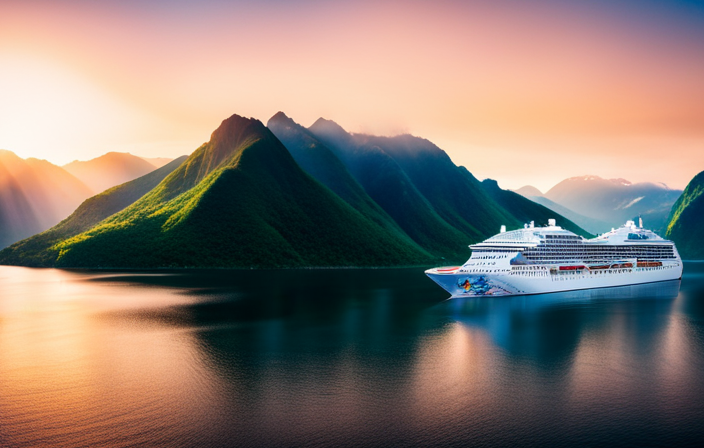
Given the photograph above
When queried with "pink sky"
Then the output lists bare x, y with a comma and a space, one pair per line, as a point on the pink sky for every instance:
522, 93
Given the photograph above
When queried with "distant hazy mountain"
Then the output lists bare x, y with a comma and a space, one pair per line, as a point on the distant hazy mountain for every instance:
526, 210
34, 251
113, 168
592, 225
685, 225
34, 195
529, 191
615, 201
239, 200
158, 162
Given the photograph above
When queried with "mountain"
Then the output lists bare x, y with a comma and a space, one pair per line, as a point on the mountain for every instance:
417, 184
239, 200
34, 195
386, 181
529, 191
158, 162
34, 251
615, 201
592, 225
320, 162
526, 210
113, 168
684, 224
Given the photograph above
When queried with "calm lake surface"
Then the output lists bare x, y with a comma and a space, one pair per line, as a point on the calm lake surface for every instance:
343, 358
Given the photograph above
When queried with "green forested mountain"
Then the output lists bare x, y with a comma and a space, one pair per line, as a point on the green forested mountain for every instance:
390, 186
239, 200
684, 225
395, 169
35, 251
323, 197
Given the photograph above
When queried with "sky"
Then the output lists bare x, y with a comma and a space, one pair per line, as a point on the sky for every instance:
521, 92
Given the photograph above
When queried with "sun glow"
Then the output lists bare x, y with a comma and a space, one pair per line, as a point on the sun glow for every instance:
484, 81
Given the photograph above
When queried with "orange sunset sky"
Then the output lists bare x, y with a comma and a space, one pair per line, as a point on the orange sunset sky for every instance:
522, 92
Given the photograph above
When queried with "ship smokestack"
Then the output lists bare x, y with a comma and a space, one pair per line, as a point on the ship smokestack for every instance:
552, 222
503, 229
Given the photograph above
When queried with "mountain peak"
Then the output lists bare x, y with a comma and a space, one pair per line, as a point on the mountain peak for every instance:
236, 127
279, 116
327, 126
280, 119
528, 191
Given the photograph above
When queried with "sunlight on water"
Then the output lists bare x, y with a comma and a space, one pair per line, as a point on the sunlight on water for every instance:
320, 358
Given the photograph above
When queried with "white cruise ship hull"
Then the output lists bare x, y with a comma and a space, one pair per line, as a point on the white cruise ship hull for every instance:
541, 279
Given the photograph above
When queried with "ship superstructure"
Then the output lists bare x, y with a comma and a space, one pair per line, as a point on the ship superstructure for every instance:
536, 260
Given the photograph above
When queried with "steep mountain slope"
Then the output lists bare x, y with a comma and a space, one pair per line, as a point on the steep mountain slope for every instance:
684, 224
34, 195
239, 200
390, 186
34, 251
527, 210
113, 168
615, 200
320, 162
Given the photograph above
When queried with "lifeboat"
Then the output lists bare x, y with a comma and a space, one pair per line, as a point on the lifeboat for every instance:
649, 264
599, 266
621, 265
571, 268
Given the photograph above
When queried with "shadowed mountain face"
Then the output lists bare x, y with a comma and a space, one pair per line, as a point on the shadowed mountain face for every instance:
615, 201
434, 201
320, 162
34, 195
684, 224
390, 186
113, 168
239, 200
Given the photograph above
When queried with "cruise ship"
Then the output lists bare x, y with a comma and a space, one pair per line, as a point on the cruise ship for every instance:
537, 260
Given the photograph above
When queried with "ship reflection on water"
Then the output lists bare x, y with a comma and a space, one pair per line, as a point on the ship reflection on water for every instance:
342, 357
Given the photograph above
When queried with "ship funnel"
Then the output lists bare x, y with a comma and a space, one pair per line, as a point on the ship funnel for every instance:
532, 224
552, 222
503, 229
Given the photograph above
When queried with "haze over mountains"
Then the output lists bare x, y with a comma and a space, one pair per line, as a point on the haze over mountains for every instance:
36, 194
327, 198
108, 170
599, 204
284, 195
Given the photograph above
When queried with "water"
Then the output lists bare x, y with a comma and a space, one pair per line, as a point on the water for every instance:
343, 358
